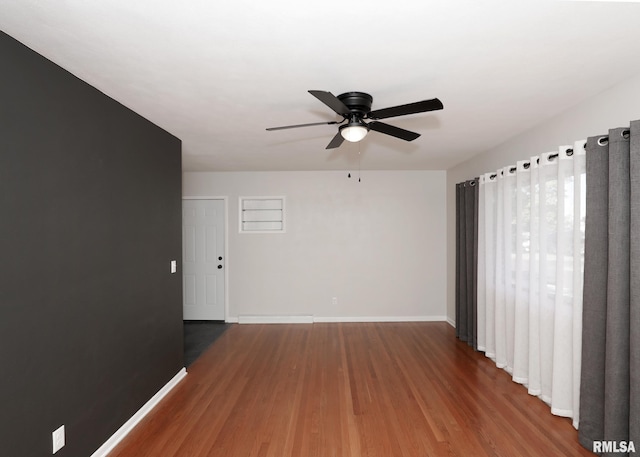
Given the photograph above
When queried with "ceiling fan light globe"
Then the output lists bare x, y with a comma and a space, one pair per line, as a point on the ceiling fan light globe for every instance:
353, 133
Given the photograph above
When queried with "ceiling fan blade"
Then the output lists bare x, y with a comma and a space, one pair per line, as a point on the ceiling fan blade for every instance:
402, 110
331, 101
335, 142
393, 131
301, 125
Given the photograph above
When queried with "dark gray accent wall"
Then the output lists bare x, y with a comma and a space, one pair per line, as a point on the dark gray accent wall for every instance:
90, 218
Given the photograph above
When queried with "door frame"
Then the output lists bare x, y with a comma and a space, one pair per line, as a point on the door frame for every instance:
225, 199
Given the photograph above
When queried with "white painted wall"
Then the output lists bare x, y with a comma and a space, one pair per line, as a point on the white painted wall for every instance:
614, 107
379, 246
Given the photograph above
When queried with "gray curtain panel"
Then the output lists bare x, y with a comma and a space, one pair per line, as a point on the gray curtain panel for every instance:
610, 377
467, 261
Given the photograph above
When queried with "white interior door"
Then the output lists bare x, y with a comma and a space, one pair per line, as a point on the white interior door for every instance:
203, 262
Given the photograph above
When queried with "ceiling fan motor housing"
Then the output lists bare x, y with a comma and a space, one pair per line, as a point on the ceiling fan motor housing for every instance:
358, 103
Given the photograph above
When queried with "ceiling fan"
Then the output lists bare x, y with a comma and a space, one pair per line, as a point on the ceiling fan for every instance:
355, 107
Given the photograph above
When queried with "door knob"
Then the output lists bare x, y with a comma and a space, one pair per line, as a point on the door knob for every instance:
219, 267
220, 258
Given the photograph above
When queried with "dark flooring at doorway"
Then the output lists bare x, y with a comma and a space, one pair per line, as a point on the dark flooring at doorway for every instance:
198, 336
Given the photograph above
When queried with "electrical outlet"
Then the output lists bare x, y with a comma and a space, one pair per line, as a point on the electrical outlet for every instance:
58, 439
334, 301
174, 266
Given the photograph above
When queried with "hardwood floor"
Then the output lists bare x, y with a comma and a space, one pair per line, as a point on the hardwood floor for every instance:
338, 390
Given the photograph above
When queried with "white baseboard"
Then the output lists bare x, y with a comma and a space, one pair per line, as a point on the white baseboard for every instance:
451, 322
118, 436
231, 320
379, 319
272, 319
309, 319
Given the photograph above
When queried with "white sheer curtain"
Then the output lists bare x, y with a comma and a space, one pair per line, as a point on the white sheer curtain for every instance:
530, 269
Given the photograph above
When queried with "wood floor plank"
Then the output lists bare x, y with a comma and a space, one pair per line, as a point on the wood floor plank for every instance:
348, 390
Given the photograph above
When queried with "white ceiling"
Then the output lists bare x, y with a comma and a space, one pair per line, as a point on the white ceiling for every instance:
216, 74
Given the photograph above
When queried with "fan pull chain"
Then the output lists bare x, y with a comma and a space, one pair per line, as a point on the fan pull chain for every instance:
359, 161
359, 164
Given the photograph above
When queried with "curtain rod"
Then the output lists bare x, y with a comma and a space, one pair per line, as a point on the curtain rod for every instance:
603, 140
526, 165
